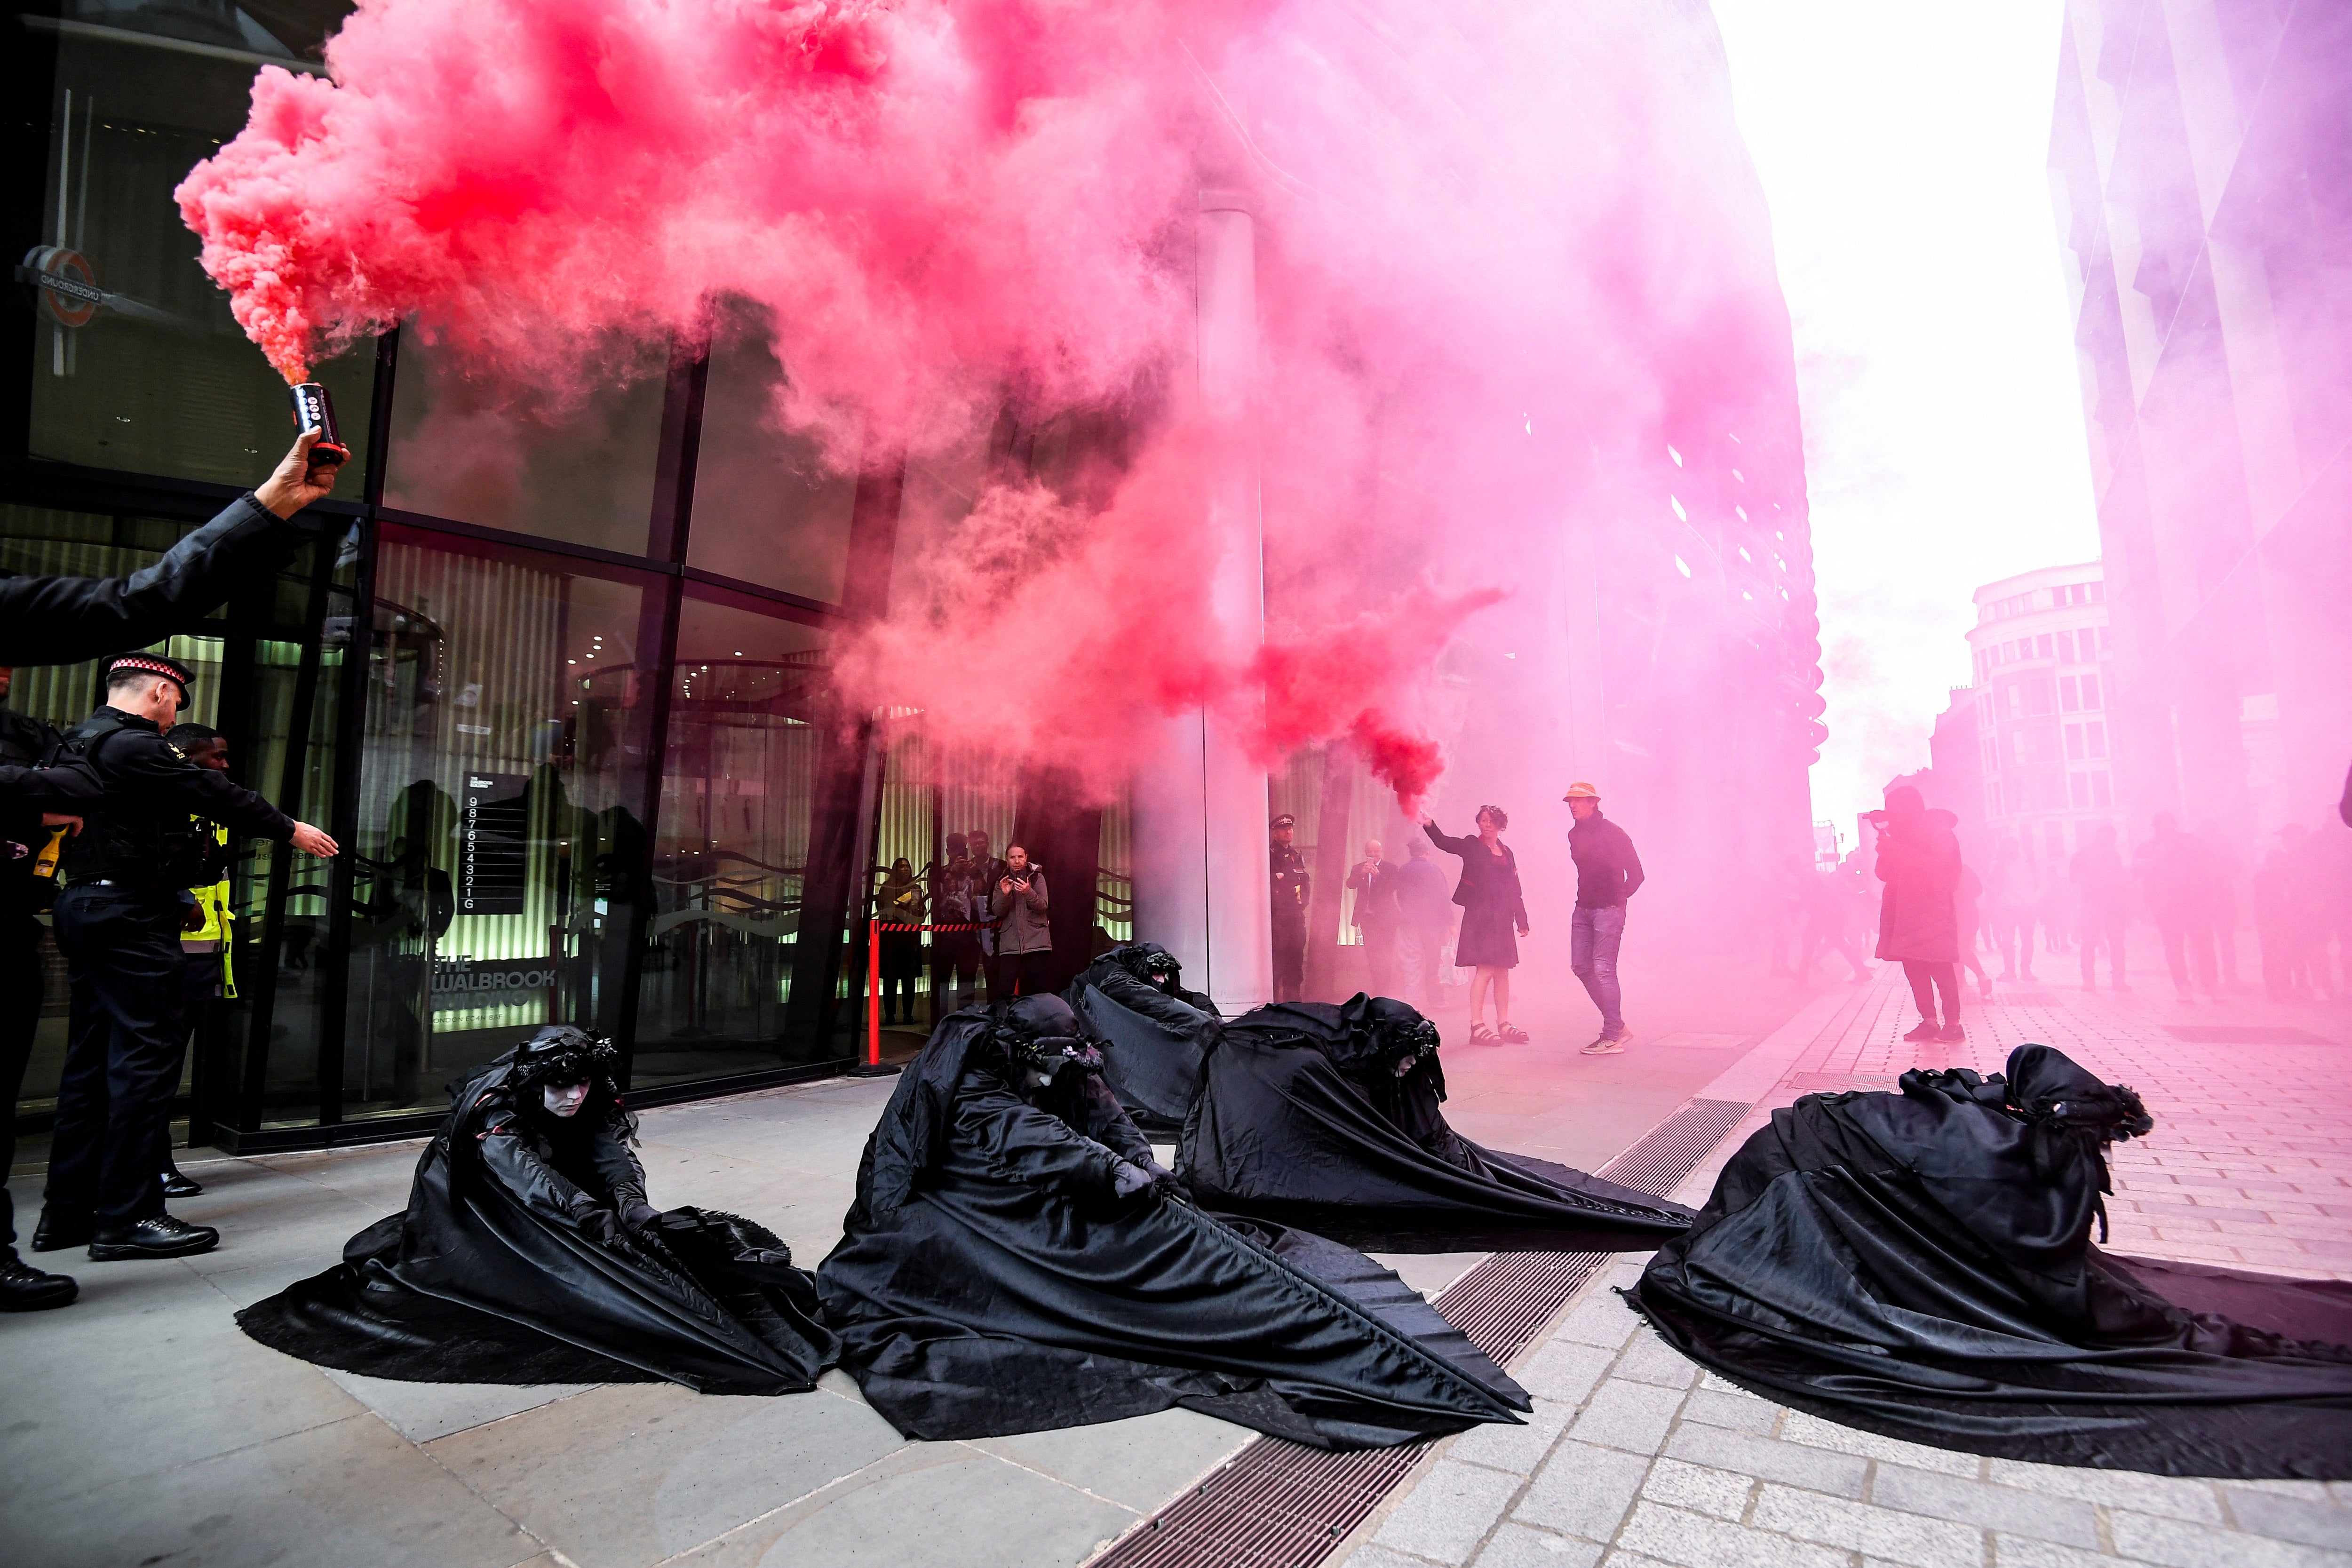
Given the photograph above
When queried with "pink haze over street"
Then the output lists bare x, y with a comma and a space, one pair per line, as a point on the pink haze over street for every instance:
1481, 313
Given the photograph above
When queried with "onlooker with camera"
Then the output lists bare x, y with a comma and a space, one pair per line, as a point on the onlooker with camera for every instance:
1374, 882
1918, 913
117, 923
1025, 941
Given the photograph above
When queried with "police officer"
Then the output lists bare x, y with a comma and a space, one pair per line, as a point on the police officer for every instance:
117, 923
26, 830
208, 965
1291, 886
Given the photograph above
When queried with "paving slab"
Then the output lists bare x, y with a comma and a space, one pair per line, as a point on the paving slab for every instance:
2250, 1165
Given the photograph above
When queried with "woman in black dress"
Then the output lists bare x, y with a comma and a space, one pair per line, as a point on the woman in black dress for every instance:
1492, 910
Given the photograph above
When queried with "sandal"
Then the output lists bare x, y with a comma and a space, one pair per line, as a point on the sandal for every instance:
1482, 1036
1514, 1036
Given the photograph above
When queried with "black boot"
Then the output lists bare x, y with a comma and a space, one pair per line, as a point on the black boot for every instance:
159, 1237
25, 1289
178, 1183
61, 1228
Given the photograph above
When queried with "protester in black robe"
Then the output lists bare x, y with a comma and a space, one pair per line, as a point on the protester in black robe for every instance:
1920, 1264
529, 1253
1016, 1260
1153, 1033
1327, 1116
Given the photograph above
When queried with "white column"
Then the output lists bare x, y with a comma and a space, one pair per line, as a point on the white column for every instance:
1199, 803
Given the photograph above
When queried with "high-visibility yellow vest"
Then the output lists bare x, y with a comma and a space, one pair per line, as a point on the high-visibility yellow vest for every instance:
218, 918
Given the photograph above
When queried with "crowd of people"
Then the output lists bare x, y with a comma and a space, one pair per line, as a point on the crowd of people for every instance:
1934, 914
2017, 911
989, 920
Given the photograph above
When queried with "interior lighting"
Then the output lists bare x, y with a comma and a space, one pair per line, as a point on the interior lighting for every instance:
1677, 456
1682, 566
1740, 476
1677, 505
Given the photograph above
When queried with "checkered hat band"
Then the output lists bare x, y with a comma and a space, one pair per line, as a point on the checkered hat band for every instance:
153, 665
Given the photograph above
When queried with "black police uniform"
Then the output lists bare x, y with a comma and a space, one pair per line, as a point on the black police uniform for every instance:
25, 742
1291, 886
117, 923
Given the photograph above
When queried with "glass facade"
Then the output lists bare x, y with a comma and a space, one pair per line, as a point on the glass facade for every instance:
556, 674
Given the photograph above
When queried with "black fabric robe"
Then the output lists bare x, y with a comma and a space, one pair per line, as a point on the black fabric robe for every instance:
1300, 1120
1153, 1043
492, 1276
991, 1282
1920, 1265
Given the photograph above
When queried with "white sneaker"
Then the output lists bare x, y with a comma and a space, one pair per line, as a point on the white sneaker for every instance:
1605, 1046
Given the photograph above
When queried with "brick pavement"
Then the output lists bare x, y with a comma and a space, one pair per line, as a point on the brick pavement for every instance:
1634, 1457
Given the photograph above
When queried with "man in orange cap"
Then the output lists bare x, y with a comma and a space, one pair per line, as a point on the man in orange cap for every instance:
1608, 872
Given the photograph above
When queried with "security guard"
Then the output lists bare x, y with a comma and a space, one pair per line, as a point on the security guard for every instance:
207, 960
26, 846
117, 923
1291, 886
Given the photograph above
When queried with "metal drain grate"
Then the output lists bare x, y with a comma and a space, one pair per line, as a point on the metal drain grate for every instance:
1278, 1505
2243, 1034
1836, 1082
1672, 1149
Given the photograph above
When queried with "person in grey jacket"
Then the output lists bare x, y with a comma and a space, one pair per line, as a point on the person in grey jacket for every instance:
1024, 940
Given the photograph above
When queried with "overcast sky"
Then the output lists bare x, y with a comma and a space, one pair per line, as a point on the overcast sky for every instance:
1902, 147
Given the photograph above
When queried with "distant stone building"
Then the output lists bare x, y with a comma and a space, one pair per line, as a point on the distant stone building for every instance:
2041, 716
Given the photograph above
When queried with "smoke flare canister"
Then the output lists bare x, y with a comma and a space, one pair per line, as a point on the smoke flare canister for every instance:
314, 409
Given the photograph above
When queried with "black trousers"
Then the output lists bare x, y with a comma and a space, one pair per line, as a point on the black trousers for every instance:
20, 1019
1023, 973
1289, 955
123, 1052
955, 956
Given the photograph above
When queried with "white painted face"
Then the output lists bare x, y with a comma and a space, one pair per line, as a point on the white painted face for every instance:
564, 1098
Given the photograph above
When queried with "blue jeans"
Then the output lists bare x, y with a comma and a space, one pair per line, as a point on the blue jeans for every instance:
1593, 939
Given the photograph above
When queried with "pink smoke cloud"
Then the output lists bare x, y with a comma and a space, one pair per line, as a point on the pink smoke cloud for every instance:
945, 208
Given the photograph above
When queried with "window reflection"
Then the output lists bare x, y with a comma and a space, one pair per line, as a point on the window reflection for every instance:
767, 508
154, 377
470, 446
731, 861
501, 796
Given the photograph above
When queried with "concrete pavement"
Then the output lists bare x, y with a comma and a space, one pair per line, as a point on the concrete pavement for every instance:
1637, 1458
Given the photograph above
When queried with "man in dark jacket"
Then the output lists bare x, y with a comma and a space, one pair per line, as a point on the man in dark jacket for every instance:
119, 926
64, 620
1608, 873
